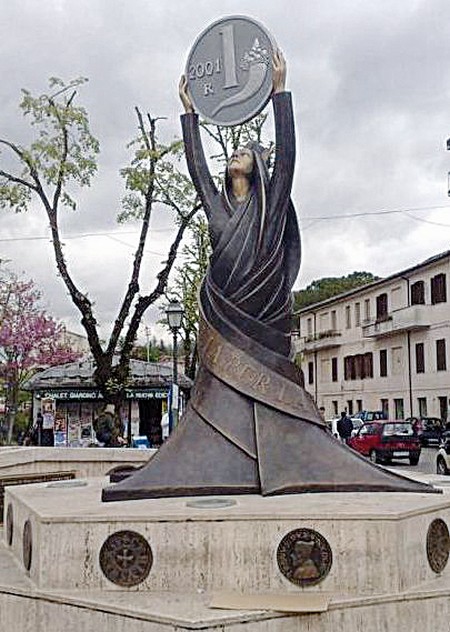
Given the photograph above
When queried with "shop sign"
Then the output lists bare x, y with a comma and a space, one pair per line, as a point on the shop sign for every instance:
75, 394
147, 394
79, 394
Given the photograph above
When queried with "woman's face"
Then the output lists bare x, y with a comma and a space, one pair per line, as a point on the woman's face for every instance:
241, 162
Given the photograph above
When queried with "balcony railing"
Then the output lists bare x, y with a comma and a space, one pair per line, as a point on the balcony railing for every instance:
322, 340
410, 318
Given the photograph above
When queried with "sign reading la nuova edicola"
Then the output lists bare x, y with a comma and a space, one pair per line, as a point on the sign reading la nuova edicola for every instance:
229, 70
78, 394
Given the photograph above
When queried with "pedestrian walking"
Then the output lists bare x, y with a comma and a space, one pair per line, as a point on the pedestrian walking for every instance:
344, 427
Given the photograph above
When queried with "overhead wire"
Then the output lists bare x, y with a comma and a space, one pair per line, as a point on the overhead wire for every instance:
82, 235
312, 219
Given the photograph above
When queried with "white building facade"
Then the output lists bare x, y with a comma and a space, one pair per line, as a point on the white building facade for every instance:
384, 346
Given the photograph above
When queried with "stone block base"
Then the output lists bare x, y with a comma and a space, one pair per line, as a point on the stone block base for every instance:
64, 566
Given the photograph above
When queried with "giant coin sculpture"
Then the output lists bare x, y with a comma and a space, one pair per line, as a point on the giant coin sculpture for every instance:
229, 71
249, 427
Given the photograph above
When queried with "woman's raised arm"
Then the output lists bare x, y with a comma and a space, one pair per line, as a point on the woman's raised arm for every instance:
195, 158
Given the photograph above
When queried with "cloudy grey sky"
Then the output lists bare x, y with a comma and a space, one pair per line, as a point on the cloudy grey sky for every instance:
371, 86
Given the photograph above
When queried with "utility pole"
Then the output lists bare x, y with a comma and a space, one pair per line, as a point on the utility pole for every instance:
448, 174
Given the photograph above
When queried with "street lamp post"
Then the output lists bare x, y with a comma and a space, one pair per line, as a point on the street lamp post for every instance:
174, 313
147, 341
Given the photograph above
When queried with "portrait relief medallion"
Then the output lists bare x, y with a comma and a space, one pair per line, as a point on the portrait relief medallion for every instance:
304, 557
438, 545
27, 545
9, 525
126, 558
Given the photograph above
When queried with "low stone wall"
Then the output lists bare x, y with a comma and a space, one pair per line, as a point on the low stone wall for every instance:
86, 462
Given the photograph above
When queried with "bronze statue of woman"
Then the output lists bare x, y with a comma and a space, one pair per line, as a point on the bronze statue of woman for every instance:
250, 427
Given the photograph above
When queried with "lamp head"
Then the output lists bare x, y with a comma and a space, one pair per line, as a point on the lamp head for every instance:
174, 313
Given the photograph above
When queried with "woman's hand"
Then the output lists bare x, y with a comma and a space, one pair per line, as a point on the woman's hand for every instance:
184, 95
278, 71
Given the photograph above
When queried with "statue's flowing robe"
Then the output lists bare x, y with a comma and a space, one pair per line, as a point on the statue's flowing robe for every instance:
250, 427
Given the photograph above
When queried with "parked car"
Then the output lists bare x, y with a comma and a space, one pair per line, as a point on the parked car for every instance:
382, 441
141, 442
332, 424
428, 429
370, 415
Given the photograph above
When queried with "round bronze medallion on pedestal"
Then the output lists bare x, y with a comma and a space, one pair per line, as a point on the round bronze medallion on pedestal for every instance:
27, 545
126, 558
438, 545
304, 557
9, 525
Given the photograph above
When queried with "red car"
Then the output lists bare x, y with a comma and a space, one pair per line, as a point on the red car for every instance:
383, 441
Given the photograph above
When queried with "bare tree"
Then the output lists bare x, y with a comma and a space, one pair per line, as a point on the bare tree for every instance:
62, 154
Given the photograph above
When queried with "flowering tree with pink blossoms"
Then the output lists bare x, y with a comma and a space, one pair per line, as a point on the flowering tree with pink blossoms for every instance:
30, 339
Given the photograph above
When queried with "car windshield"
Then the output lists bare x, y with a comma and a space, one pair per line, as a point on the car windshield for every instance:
368, 429
431, 423
401, 428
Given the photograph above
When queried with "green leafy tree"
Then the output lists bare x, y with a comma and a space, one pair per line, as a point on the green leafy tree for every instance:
195, 255
321, 289
152, 351
62, 156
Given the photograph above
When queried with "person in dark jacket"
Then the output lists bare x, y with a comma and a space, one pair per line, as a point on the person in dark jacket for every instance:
344, 427
108, 428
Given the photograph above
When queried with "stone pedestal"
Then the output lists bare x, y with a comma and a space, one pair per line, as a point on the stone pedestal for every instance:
55, 561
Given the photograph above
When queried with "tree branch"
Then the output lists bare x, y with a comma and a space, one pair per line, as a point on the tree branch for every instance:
162, 279
79, 299
15, 148
17, 180
60, 178
133, 287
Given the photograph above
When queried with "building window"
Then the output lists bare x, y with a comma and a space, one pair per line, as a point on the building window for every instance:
441, 359
334, 404
438, 289
420, 358
325, 370
422, 403
368, 365
349, 368
348, 317
399, 409
333, 320
334, 369
367, 309
382, 307
383, 362
443, 407
397, 364
310, 372
324, 321
418, 293
358, 361
359, 405
350, 407
395, 300
309, 326
357, 314
385, 408
359, 366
